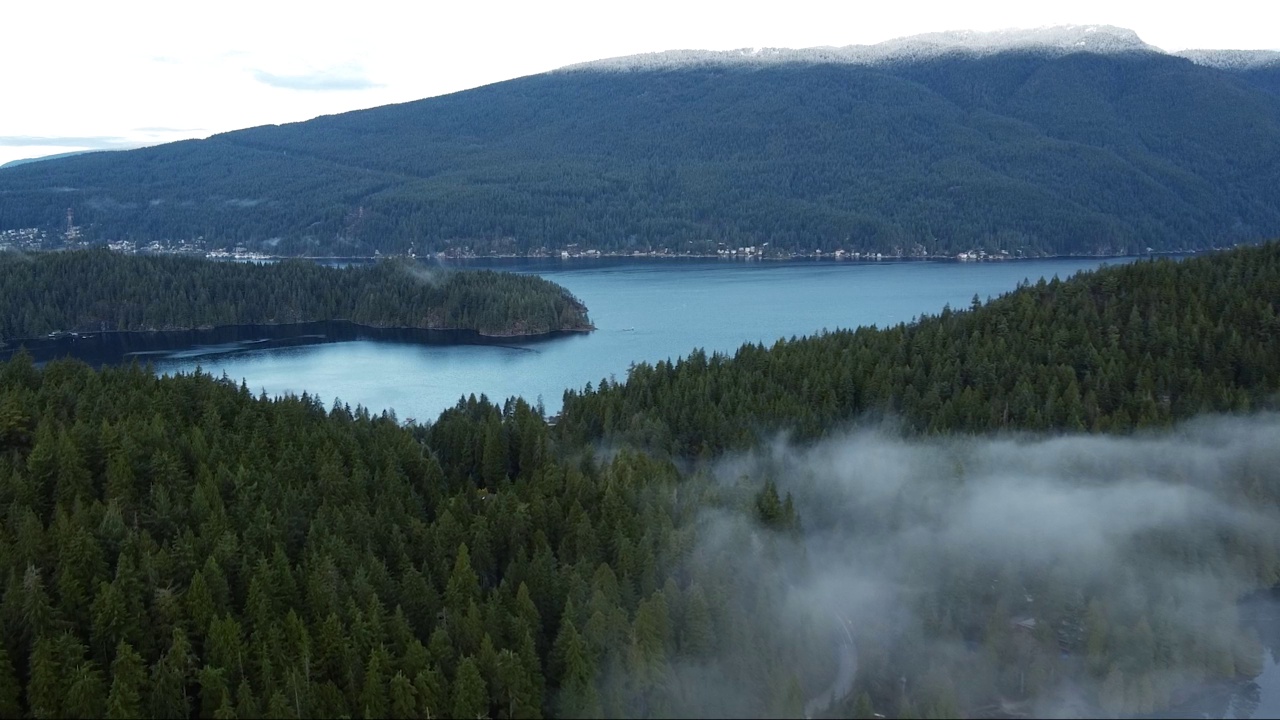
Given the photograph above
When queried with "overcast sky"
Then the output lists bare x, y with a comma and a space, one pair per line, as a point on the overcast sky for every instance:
79, 75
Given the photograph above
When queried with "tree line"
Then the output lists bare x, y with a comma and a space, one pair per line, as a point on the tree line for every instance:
1112, 350
99, 290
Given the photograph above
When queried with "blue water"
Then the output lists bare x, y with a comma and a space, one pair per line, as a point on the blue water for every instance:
644, 311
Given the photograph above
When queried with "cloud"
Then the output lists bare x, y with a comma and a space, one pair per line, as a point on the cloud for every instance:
169, 130
97, 142
920, 545
333, 79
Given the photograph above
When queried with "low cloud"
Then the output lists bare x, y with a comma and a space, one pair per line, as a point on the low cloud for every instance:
169, 130
924, 546
332, 79
98, 142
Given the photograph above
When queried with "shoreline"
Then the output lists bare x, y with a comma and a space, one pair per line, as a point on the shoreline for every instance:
12, 344
818, 257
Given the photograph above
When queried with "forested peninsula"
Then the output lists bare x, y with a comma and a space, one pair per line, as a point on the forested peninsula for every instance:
1119, 349
178, 547
100, 290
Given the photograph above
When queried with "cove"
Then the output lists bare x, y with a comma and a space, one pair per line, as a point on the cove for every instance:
644, 311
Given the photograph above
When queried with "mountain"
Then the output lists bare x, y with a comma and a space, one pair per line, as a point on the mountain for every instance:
55, 156
1075, 140
1258, 67
1052, 41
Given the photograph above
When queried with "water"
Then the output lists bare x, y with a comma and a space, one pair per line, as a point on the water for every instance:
644, 311
1257, 697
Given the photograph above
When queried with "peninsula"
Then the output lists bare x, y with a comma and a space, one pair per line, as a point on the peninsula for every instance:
44, 294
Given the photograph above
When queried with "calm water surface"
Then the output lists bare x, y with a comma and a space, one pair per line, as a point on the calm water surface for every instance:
644, 311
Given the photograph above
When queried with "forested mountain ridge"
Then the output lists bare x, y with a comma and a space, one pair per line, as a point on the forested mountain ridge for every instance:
100, 290
176, 547
1019, 150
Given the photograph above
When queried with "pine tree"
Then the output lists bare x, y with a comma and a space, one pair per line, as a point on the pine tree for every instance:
440, 647
374, 699
169, 686
494, 457
45, 689
862, 709
225, 711
404, 701
433, 698
246, 702
128, 677
39, 617
514, 688
464, 586
10, 690
577, 697
213, 690
278, 707
526, 614
470, 698
199, 601
84, 696
697, 639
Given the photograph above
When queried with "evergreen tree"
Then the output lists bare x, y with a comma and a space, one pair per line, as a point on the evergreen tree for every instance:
374, 699
84, 696
128, 680
404, 701
433, 699
246, 701
470, 698
10, 689
45, 689
862, 709
576, 675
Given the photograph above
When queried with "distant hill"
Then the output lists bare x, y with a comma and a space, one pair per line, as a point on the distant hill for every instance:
55, 156
1061, 140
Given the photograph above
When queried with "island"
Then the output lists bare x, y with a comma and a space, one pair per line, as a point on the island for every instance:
91, 291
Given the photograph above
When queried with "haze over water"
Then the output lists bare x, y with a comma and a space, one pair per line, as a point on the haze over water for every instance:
643, 311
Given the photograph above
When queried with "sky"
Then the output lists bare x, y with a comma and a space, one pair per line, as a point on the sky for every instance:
106, 75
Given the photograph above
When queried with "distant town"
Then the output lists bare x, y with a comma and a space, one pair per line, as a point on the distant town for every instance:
39, 239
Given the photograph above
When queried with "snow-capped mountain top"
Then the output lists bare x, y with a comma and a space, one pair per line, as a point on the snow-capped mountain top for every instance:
1071, 38
1061, 39
1232, 59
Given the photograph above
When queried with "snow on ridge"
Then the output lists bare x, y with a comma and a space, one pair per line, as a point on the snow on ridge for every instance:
1232, 59
1059, 39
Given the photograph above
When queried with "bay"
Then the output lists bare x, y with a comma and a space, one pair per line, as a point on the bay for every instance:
643, 310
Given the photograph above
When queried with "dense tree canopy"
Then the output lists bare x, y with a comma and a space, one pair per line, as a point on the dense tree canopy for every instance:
175, 546
1119, 348
90, 291
1080, 153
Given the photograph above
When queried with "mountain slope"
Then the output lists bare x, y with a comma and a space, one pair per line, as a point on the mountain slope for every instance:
936, 145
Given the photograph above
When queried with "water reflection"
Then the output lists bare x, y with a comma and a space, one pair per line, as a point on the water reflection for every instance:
1257, 697
111, 348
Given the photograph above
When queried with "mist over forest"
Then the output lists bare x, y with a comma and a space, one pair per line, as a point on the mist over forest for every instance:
1099, 574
